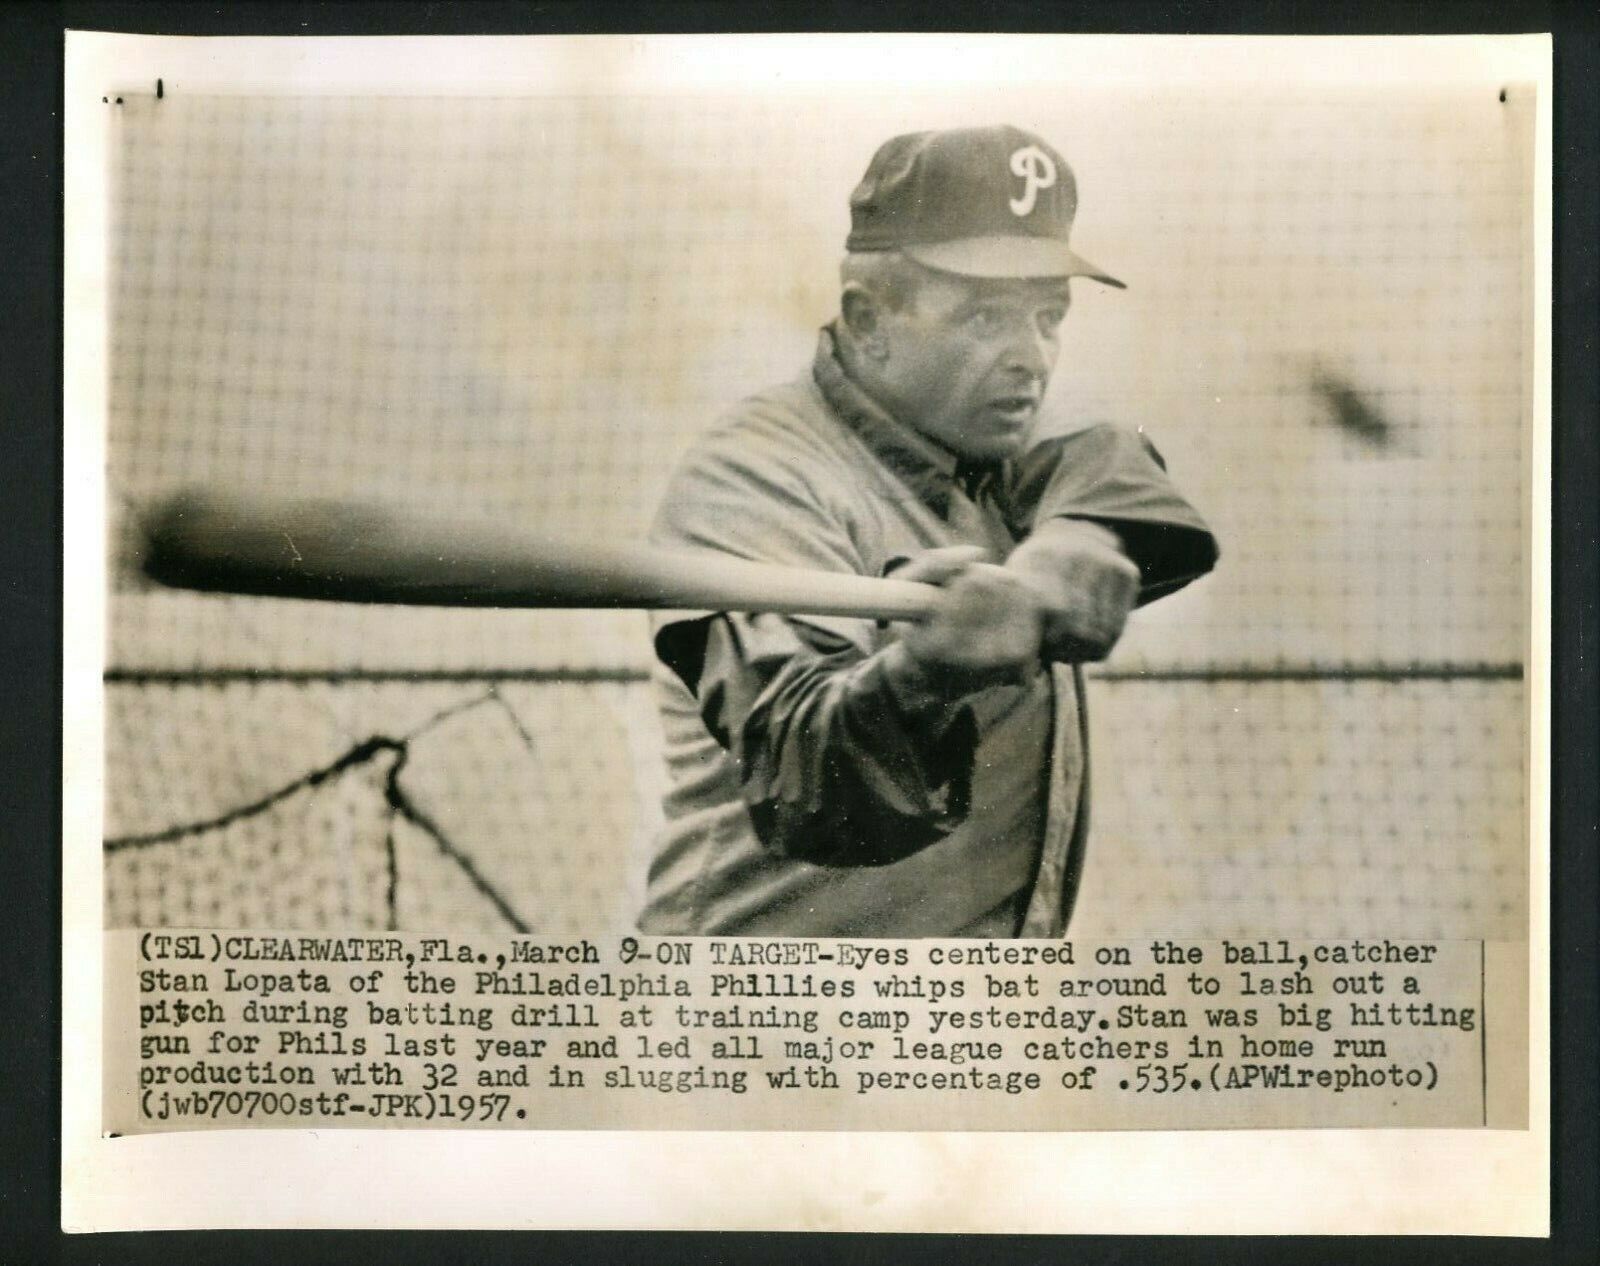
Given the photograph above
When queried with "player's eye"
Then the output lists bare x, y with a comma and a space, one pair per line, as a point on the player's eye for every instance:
1051, 318
984, 320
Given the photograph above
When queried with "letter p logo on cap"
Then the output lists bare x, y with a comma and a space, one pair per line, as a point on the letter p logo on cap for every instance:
1037, 170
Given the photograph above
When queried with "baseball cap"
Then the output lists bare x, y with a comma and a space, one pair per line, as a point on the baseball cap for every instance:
982, 202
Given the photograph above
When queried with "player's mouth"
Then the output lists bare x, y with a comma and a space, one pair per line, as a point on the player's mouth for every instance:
1016, 410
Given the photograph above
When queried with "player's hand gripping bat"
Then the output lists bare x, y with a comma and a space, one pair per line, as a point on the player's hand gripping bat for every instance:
349, 553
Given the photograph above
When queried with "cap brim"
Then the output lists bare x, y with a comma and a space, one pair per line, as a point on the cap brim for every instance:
1008, 256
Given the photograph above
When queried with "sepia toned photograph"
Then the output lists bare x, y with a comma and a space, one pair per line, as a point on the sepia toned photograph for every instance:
1234, 516
887, 505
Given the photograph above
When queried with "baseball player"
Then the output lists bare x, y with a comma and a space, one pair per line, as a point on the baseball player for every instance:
838, 777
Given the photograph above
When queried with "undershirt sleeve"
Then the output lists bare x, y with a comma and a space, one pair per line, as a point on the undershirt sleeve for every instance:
844, 759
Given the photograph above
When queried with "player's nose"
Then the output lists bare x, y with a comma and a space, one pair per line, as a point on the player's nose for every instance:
1029, 351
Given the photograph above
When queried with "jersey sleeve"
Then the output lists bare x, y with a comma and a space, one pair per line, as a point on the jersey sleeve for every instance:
1116, 478
846, 755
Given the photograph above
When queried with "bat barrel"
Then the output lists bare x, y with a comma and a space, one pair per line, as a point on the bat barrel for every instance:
348, 553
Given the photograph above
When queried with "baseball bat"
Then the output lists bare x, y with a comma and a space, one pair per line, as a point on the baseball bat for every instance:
343, 552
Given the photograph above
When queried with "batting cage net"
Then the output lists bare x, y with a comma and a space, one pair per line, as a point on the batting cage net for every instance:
524, 309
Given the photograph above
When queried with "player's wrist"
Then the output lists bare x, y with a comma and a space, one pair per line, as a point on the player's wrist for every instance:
1064, 532
927, 692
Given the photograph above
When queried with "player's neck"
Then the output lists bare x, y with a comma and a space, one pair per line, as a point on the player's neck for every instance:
860, 377
862, 374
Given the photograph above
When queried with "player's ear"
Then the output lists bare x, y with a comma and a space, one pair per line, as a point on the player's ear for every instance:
862, 313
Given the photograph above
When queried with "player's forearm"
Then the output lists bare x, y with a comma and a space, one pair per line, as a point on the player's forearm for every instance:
1114, 479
